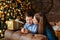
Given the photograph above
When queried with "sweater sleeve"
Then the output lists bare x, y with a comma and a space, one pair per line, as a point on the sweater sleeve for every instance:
50, 34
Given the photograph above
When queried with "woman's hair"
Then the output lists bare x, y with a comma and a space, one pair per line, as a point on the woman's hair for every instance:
39, 18
42, 23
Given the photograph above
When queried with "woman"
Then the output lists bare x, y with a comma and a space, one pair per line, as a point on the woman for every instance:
43, 26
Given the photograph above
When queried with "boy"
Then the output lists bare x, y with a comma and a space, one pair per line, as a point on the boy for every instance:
29, 27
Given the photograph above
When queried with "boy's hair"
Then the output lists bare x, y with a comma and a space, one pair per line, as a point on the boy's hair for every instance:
30, 13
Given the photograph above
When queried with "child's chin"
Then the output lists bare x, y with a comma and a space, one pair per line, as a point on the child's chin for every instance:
29, 24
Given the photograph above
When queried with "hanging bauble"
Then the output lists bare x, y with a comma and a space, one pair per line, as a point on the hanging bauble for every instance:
8, 14
2, 18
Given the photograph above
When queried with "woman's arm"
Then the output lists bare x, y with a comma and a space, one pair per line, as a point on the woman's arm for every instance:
50, 34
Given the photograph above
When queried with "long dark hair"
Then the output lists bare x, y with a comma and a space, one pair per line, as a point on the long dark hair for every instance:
48, 26
41, 18
45, 25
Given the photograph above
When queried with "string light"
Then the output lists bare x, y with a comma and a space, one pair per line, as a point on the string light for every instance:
0, 31
8, 9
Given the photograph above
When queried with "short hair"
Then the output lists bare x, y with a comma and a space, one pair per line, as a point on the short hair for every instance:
30, 13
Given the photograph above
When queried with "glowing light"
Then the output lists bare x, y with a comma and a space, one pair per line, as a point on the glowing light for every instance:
0, 31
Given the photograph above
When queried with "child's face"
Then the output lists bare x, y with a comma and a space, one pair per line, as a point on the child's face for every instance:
29, 20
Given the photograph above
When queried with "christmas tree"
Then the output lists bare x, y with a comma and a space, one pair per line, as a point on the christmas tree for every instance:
10, 9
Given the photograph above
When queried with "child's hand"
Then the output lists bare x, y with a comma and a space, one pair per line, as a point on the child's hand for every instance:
24, 30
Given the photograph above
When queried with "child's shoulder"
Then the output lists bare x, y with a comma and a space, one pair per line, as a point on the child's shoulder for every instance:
25, 24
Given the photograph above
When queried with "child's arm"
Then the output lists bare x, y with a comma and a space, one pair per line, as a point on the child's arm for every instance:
33, 29
23, 30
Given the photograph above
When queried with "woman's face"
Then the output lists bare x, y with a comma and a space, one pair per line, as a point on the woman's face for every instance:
35, 20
